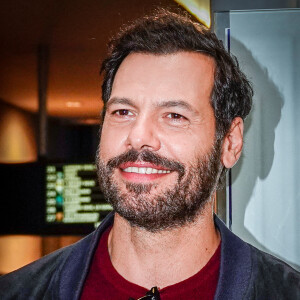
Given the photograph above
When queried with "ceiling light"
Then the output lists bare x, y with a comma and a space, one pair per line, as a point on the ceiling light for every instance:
199, 8
73, 104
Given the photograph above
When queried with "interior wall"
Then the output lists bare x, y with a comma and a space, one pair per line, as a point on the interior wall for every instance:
265, 185
18, 250
18, 144
17, 135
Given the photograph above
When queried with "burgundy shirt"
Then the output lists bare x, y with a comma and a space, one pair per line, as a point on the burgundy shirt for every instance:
104, 282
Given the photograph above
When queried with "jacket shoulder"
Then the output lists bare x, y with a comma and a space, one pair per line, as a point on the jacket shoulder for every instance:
33, 280
272, 278
59, 275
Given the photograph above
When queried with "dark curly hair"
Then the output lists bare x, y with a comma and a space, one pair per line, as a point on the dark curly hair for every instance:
167, 32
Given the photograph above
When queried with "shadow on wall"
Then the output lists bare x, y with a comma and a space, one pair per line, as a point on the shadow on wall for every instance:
267, 106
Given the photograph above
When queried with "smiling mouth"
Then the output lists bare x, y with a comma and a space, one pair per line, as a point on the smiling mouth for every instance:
144, 170
141, 172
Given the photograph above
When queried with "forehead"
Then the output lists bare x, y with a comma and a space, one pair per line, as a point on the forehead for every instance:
183, 75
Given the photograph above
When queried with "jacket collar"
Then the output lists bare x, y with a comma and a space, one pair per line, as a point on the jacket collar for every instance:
235, 267
75, 270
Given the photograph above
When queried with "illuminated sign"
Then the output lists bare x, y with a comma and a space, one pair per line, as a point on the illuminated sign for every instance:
73, 195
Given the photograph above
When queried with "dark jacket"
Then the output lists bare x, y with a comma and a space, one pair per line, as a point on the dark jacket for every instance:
245, 272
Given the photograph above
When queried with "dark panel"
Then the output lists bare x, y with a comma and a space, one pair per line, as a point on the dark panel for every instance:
71, 142
221, 5
21, 198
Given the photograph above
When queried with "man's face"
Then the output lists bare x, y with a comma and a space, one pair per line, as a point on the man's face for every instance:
158, 161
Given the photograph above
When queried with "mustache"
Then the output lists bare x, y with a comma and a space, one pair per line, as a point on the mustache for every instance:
133, 155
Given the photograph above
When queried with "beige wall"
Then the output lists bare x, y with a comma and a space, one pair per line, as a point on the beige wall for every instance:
17, 135
18, 145
17, 251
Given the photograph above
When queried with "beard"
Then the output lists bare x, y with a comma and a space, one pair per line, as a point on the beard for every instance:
177, 206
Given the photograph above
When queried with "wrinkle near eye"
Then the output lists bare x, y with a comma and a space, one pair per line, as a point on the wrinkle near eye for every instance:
176, 120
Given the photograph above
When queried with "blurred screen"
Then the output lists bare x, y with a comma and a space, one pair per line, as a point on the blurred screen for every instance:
73, 195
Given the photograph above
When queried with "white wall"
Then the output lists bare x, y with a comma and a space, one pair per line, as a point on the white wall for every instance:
266, 183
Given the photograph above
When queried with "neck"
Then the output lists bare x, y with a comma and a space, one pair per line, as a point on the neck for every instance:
163, 258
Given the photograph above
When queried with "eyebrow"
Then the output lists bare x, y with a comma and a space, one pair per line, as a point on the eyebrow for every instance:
163, 104
116, 100
177, 103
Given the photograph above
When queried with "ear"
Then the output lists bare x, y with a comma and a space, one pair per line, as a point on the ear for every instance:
233, 143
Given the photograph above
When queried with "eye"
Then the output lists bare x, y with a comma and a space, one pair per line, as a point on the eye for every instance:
122, 112
175, 116
176, 120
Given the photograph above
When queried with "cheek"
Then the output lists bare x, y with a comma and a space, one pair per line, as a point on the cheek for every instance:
112, 142
188, 147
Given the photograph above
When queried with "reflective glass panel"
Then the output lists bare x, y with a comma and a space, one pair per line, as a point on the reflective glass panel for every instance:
265, 182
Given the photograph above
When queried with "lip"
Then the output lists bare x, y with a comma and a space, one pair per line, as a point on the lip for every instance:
142, 178
142, 165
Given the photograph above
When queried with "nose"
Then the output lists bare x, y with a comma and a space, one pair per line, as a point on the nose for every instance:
143, 134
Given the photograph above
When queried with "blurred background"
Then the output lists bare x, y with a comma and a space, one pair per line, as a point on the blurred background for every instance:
50, 103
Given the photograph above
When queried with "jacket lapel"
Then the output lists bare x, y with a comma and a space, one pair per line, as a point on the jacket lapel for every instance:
77, 265
236, 265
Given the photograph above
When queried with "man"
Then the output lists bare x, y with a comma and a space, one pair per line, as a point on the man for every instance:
174, 105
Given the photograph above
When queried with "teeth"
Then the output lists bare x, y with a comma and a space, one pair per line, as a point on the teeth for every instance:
145, 170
